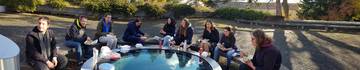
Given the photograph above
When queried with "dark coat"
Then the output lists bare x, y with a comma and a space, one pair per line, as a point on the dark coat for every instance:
37, 51
213, 36
74, 32
229, 42
169, 29
267, 57
180, 38
100, 26
132, 32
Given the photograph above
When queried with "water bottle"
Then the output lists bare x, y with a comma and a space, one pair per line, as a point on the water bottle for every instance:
185, 45
200, 54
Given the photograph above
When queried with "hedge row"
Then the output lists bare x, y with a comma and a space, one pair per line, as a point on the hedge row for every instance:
123, 7
235, 13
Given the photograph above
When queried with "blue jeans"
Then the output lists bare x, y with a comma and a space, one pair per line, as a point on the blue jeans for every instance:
166, 41
229, 55
77, 46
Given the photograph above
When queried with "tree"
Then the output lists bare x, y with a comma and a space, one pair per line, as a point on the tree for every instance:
278, 8
286, 8
329, 9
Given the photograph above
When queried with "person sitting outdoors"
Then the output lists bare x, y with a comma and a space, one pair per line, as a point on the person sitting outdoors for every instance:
266, 57
132, 34
105, 32
168, 31
75, 38
226, 45
169, 27
184, 33
41, 49
211, 35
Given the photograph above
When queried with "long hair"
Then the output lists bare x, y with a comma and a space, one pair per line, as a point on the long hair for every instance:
212, 24
173, 22
182, 30
261, 38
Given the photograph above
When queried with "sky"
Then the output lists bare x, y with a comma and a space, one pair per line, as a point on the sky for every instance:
289, 1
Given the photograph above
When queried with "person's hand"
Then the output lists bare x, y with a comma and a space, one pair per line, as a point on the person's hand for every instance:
172, 42
55, 61
242, 54
250, 64
222, 48
110, 33
88, 38
226, 49
143, 38
50, 64
162, 31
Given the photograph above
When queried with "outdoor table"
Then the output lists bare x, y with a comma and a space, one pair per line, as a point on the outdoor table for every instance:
9, 54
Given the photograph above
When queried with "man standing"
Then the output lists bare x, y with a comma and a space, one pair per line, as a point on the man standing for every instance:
41, 47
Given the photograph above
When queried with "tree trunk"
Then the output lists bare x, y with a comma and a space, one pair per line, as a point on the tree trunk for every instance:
278, 8
286, 8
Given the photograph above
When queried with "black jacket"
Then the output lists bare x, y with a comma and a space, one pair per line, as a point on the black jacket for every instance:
132, 31
267, 58
229, 42
180, 38
169, 29
74, 32
213, 36
37, 51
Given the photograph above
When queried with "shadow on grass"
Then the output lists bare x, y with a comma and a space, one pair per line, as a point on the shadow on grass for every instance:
319, 58
280, 42
336, 42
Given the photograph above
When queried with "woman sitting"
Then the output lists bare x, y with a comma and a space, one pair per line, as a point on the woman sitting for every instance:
211, 35
226, 45
267, 57
169, 27
168, 31
184, 33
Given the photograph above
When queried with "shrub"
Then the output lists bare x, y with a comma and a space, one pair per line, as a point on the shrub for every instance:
123, 9
356, 17
203, 9
180, 10
152, 10
110, 6
98, 6
235, 13
22, 5
60, 4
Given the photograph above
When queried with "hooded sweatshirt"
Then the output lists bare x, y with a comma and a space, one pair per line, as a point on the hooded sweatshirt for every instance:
180, 38
40, 47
